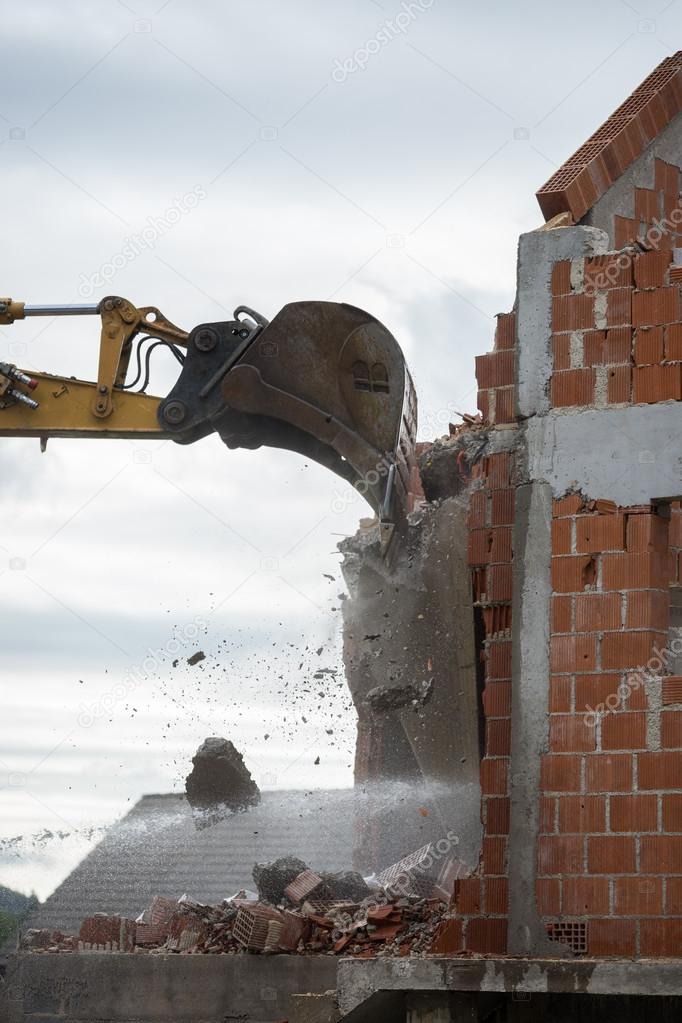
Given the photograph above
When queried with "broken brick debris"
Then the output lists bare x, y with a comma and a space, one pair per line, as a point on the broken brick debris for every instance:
387, 921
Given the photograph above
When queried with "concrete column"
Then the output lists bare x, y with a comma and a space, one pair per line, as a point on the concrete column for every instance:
538, 251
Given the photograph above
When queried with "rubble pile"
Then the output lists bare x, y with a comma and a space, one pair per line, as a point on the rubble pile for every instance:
295, 910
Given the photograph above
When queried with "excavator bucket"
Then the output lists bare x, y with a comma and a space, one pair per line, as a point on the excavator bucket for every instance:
324, 379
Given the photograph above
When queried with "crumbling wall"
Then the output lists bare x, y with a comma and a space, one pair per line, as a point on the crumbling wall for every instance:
410, 664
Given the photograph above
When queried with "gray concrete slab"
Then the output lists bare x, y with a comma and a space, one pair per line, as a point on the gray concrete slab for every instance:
359, 980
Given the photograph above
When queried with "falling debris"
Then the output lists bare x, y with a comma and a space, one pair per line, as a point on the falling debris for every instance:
383, 698
195, 658
219, 783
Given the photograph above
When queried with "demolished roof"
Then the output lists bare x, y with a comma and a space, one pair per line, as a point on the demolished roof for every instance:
592, 170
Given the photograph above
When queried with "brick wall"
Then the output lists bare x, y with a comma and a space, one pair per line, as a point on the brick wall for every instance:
482, 900
616, 330
609, 852
611, 842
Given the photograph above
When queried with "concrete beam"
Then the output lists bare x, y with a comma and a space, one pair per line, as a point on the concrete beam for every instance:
640, 463
358, 980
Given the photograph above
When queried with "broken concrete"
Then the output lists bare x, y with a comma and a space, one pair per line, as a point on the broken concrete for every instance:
271, 879
410, 665
219, 783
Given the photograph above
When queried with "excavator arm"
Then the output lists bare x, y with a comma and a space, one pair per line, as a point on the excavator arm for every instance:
324, 379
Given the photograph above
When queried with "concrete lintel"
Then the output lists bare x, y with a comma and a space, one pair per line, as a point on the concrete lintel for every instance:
360, 979
641, 462
532, 593
538, 251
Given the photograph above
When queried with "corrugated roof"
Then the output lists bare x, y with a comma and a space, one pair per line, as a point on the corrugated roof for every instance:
156, 850
614, 147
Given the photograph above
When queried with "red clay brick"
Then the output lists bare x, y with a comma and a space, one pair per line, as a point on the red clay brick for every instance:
497, 699
497, 469
625, 231
619, 307
618, 347
505, 332
497, 895
600, 533
648, 349
585, 896
609, 773
671, 731
500, 577
501, 544
502, 507
494, 774
494, 855
561, 277
648, 608
604, 272
561, 351
505, 411
619, 385
647, 204
612, 938
623, 731
495, 369
629, 649
572, 574
562, 613
657, 383
560, 774
498, 737
499, 659
582, 814
672, 690
647, 533
468, 896
660, 937
634, 813
673, 899
548, 896
569, 505
562, 532
497, 819
611, 854
638, 896
572, 312
560, 854
661, 854
593, 690
666, 177
673, 342
487, 935
559, 694
569, 733
547, 815
478, 505
572, 387
650, 308
597, 612
660, 770
650, 269
641, 571
672, 812
573, 653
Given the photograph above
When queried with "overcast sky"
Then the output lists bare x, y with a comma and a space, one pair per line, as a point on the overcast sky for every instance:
391, 167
